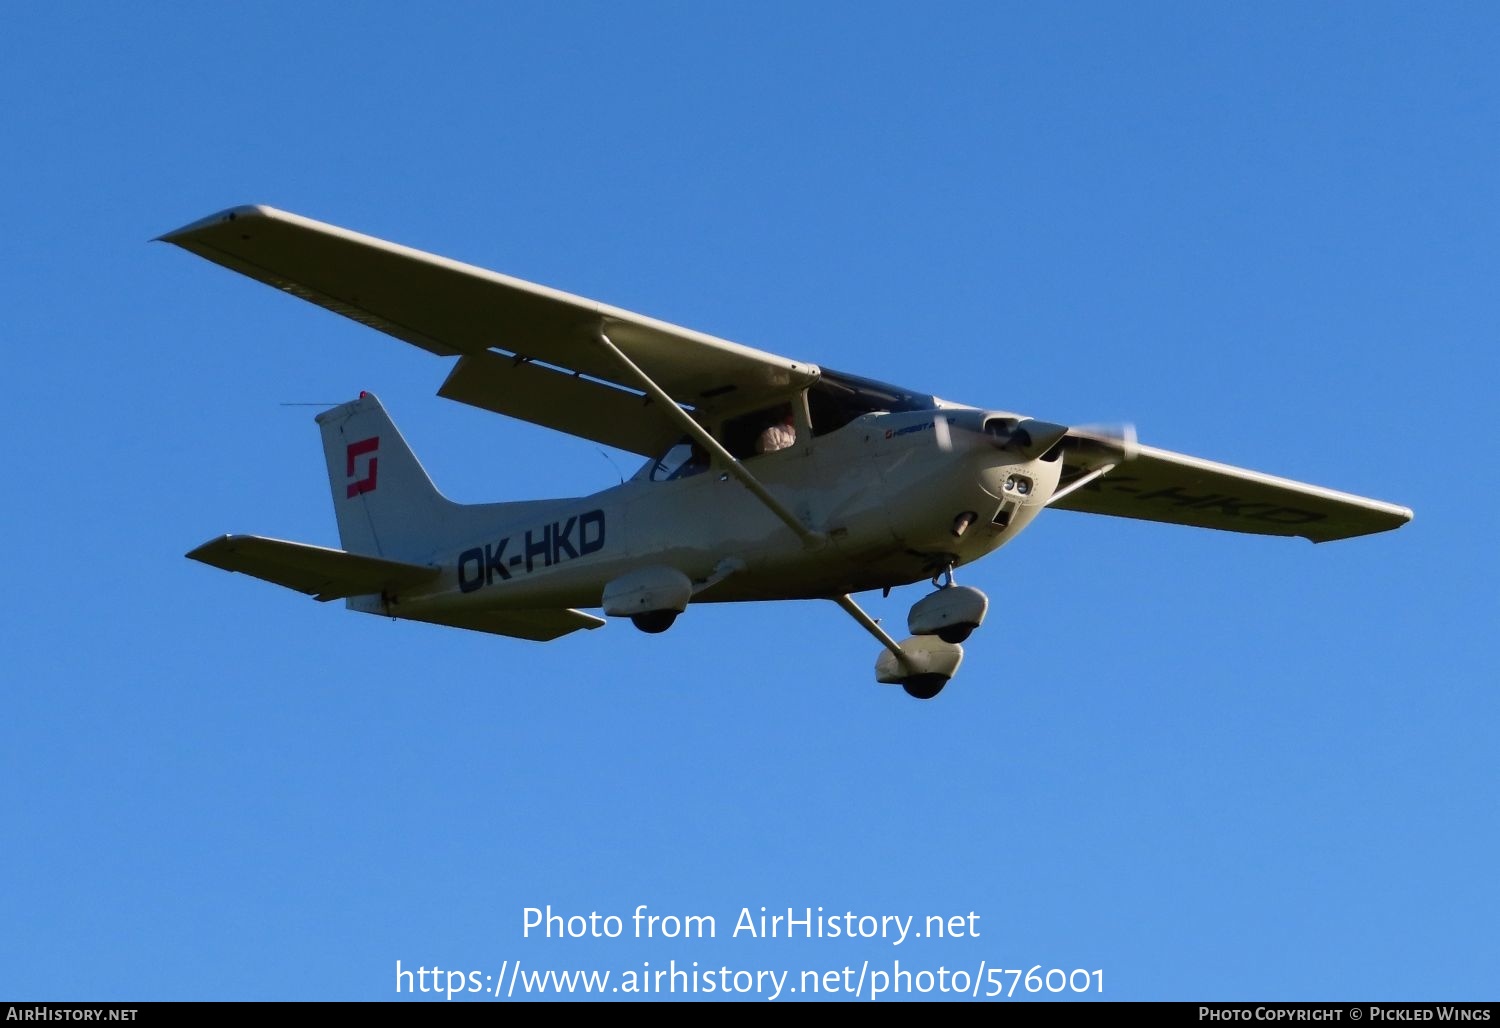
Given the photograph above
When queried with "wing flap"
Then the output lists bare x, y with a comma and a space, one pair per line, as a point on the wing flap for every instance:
1159, 485
451, 308
558, 400
323, 573
536, 625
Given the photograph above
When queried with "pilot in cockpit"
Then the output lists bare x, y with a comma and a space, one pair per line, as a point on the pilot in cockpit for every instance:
778, 435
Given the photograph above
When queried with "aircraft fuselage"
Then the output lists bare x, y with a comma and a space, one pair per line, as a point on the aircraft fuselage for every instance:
898, 497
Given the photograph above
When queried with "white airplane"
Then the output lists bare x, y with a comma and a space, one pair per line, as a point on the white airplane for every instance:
765, 478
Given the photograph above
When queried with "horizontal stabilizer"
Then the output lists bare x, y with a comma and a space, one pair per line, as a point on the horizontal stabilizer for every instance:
322, 573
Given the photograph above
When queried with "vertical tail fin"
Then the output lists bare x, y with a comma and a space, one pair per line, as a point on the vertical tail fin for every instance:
385, 503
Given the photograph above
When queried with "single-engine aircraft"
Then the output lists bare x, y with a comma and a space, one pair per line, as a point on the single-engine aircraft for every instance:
766, 478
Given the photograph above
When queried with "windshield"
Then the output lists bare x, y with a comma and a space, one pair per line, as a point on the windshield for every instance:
836, 399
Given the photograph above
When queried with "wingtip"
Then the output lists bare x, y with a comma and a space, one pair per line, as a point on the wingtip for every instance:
251, 210
201, 552
1397, 517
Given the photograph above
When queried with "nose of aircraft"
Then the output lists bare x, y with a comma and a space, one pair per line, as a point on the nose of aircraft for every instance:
1026, 437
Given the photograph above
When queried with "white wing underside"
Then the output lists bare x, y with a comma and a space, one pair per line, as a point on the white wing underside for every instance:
533, 353
1159, 485
526, 350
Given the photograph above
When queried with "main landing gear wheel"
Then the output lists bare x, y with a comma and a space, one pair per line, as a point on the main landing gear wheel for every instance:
654, 622
924, 666
924, 687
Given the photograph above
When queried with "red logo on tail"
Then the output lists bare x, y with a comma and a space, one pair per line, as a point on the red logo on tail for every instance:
359, 449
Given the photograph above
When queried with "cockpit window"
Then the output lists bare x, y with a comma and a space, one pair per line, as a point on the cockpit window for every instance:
836, 399
684, 459
762, 431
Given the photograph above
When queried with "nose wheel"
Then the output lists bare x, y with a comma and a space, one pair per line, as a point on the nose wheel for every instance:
924, 687
951, 613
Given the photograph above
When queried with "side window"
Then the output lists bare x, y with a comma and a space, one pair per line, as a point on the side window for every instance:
685, 459
831, 410
762, 431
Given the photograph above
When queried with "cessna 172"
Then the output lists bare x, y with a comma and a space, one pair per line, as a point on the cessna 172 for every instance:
765, 478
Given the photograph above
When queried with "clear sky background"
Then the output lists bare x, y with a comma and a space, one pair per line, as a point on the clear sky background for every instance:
1213, 766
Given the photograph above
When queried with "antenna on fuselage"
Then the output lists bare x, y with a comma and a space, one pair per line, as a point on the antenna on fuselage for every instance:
612, 464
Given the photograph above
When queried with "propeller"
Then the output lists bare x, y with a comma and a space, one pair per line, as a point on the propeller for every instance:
1114, 441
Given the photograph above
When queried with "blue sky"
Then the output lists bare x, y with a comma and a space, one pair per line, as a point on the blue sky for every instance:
1212, 766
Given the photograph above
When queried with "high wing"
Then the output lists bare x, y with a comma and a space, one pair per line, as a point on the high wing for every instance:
1159, 485
525, 350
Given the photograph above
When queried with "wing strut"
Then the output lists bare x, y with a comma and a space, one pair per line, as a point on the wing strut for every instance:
709, 443
870, 625
1079, 483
